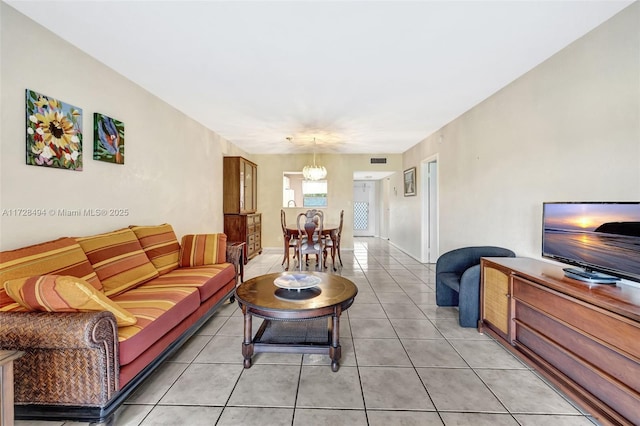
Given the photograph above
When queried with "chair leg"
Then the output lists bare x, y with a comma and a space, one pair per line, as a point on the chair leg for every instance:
285, 258
333, 257
339, 257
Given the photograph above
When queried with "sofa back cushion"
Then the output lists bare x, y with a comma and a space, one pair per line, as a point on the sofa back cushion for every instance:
203, 249
160, 244
63, 256
64, 293
118, 259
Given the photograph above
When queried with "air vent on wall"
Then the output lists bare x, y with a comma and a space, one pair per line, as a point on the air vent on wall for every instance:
378, 161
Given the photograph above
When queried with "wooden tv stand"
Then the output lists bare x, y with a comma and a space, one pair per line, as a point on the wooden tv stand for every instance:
583, 338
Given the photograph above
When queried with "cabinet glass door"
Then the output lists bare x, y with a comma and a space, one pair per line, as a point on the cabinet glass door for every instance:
248, 197
242, 188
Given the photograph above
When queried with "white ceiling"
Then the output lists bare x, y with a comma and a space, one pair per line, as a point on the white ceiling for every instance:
359, 76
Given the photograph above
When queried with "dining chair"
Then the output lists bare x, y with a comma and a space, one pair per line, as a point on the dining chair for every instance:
310, 241
334, 247
292, 244
314, 215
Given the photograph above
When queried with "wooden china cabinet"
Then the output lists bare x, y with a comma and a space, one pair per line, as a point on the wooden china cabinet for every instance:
242, 222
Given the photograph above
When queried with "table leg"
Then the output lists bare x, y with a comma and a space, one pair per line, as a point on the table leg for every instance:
6, 381
335, 351
6, 388
247, 344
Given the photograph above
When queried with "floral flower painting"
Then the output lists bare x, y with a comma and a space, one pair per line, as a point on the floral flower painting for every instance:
108, 139
54, 132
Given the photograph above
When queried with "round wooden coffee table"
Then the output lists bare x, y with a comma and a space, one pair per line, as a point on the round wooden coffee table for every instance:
292, 316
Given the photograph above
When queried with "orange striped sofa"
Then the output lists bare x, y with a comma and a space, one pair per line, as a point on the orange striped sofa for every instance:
96, 315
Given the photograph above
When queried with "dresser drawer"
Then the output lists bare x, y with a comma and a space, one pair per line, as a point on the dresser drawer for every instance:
617, 331
253, 223
621, 396
596, 349
532, 324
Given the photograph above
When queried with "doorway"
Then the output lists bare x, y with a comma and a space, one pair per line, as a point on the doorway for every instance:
429, 181
364, 208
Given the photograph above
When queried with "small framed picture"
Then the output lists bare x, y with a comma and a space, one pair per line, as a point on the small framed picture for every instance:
410, 182
108, 139
54, 132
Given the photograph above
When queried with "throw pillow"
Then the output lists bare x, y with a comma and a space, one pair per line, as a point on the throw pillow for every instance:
118, 259
63, 256
63, 293
203, 249
160, 244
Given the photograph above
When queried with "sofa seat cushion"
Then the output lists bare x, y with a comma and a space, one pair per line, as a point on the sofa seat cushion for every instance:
160, 244
118, 259
207, 279
451, 280
157, 311
63, 256
63, 293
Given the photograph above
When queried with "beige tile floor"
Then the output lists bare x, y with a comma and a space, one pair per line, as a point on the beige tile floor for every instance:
405, 361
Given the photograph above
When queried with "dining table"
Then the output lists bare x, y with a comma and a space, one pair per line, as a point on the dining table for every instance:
328, 230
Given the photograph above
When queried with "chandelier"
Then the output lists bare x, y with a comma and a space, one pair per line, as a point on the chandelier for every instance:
314, 172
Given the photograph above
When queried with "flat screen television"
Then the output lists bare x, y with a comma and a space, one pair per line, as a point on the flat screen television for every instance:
603, 239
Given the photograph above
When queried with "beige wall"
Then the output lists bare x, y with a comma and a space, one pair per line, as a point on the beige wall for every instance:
568, 130
173, 165
340, 170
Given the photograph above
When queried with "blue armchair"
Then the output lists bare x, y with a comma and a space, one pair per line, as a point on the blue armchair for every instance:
458, 280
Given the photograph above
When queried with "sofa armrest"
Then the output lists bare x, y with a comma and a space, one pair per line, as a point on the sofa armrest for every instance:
70, 358
469, 297
235, 255
470, 278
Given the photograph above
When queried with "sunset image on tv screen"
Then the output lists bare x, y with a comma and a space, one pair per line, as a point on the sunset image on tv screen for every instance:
601, 236
588, 217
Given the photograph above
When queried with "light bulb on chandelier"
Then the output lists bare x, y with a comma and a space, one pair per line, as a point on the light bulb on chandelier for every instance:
314, 172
